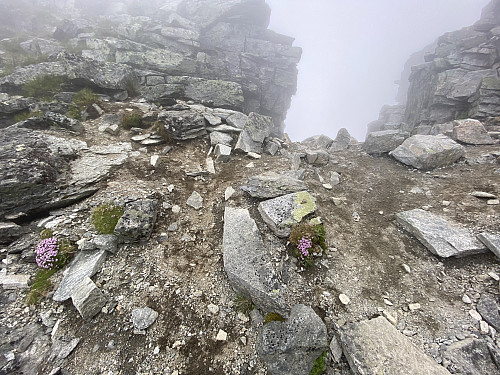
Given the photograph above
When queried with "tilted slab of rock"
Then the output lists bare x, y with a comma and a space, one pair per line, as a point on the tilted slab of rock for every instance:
137, 221
256, 130
271, 185
492, 242
489, 310
383, 141
247, 263
183, 125
428, 151
376, 347
472, 132
441, 237
86, 264
291, 347
282, 213
471, 356
88, 299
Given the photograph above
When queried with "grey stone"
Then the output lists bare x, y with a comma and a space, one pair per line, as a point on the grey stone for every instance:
237, 120
281, 213
318, 157
271, 185
317, 142
488, 309
212, 120
137, 221
292, 347
85, 264
108, 242
492, 242
342, 141
334, 178
14, 281
195, 200
218, 138
375, 346
383, 141
61, 349
10, 231
469, 356
471, 132
441, 237
183, 125
247, 262
143, 318
88, 299
227, 129
222, 153
428, 151
14, 104
255, 131
272, 147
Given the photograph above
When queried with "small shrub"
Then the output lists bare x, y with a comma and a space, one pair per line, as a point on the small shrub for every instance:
319, 365
243, 304
133, 120
43, 86
40, 286
106, 216
308, 242
82, 100
46, 233
273, 317
22, 116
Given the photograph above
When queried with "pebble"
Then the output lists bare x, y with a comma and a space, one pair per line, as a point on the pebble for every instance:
466, 299
475, 315
197, 293
493, 202
392, 318
229, 193
243, 340
154, 160
214, 309
253, 155
445, 203
328, 186
387, 302
156, 350
221, 336
344, 299
176, 209
355, 216
414, 306
494, 276
482, 194
484, 328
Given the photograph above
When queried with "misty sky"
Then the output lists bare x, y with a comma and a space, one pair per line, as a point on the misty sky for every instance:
353, 51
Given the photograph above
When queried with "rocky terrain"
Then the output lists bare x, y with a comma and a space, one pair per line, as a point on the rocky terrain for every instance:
184, 132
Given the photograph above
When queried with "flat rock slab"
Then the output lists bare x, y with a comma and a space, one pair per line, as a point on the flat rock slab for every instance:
272, 185
282, 213
143, 318
137, 221
291, 347
489, 310
441, 237
247, 263
471, 132
376, 347
492, 242
85, 264
88, 299
470, 356
428, 151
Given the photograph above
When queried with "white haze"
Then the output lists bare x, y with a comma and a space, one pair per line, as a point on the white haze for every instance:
354, 51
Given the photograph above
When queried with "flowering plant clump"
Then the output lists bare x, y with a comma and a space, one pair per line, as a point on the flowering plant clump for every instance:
308, 242
46, 253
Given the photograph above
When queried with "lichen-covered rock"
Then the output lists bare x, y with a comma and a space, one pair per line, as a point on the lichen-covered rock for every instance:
472, 132
380, 142
183, 125
137, 221
255, 131
271, 185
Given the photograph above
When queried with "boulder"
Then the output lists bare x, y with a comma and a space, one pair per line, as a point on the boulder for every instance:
380, 142
282, 213
88, 299
272, 185
9, 232
183, 125
86, 264
428, 151
471, 132
375, 347
471, 356
137, 221
15, 104
489, 310
317, 142
292, 347
441, 237
218, 138
492, 242
318, 157
247, 262
342, 141
255, 131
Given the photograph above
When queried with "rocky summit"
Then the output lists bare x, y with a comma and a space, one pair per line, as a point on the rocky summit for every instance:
156, 219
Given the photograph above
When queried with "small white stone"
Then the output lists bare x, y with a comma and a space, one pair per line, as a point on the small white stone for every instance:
197, 293
243, 340
466, 299
407, 268
414, 306
156, 350
344, 299
221, 336
484, 328
214, 309
229, 193
210, 165
250, 165
494, 276
328, 186
170, 188
253, 155
392, 318
475, 315
176, 209
243, 317
381, 212
493, 202
387, 302
445, 203
155, 160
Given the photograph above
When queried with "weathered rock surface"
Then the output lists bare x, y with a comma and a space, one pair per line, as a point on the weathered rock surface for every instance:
183, 125
247, 263
291, 347
281, 213
318, 157
255, 131
219, 138
342, 141
317, 142
470, 356
222, 153
492, 242
380, 142
137, 221
428, 151
271, 185
88, 299
195, 200
376, 347
441, 237
86, 264
489, 310
471, 132
143, 318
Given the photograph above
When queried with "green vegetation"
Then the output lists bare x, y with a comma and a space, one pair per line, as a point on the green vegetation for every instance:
132, 88
273, 317
43, 86
106, 216
40, 286
82, 100
319, 365
307, 242
22, 116
132, 120
243, 304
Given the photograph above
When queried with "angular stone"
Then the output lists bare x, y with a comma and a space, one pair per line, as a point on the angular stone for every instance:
317, 142
318, 157
488, 309
62, 349
85, 264
383, 141
255, 131
108, 242
222, 153
492, 242
137, 221
471, 132
10, 231
441, 237
218, 138
14, 281
428, 151
282, 213
237, 119
247, 262
88, 299
342, 141
271, 185
375, 346
470, 356
292, 347
183, 125
143, 318
195, 200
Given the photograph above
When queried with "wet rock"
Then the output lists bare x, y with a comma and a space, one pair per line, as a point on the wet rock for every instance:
255, 131
143, 318
428, 151
271, 185
137, 221
489, 310
247, 262
86, 264
281, 213
88, 299
291, 347
383, 141
376, 347
195, 200
492, 242
471, 132
441, 237
469, 356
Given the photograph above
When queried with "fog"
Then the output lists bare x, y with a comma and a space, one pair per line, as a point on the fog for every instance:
354, 51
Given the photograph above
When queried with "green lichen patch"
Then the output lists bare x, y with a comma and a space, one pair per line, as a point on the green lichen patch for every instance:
305, 204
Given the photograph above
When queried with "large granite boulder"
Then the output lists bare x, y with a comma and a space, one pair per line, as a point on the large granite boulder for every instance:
441, 237
291, 347
272, 185
428, 151
471, 132
383, 141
